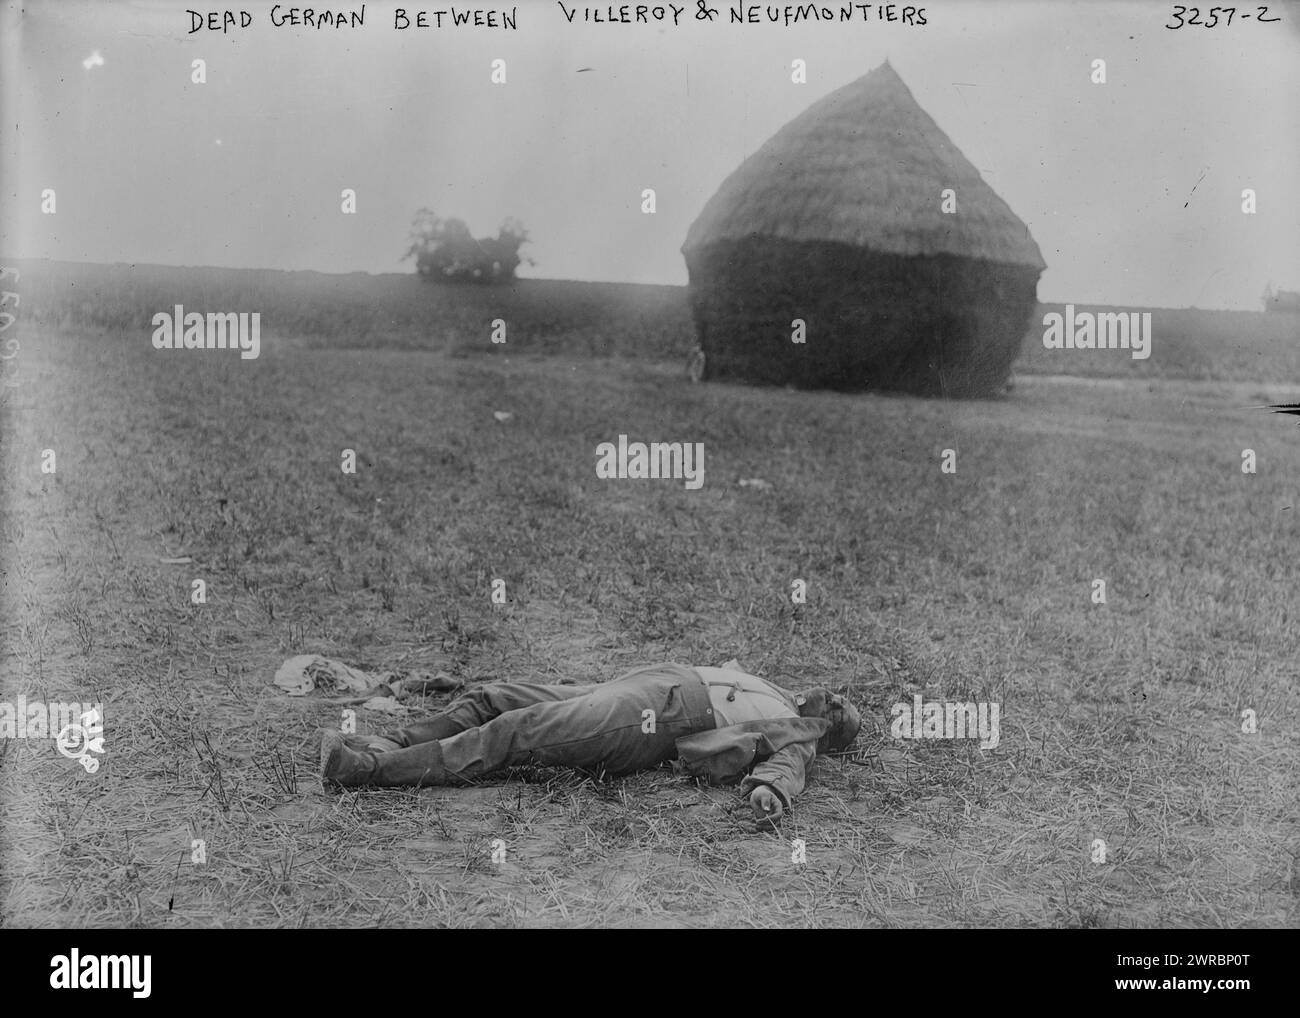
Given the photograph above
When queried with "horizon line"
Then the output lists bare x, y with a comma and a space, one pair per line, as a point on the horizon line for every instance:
541, 279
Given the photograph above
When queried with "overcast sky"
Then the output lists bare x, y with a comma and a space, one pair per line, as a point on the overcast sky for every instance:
1132, 189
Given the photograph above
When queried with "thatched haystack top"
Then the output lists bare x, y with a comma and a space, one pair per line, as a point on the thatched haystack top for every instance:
865, 166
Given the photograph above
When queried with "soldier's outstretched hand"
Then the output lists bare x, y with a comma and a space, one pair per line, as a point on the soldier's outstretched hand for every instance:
766, 803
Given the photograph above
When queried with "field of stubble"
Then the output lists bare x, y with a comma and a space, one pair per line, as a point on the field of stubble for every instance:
1120, 722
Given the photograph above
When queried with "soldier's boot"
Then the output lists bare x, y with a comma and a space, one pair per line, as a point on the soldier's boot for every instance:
351, 768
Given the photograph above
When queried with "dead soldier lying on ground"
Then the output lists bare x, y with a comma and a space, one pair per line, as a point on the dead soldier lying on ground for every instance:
720, 724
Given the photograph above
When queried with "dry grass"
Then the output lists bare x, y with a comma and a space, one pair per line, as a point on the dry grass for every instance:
1120, 722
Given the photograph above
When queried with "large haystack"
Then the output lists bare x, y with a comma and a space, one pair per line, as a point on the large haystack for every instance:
836, 220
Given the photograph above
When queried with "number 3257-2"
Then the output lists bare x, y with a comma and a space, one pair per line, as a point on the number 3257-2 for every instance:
1214, 12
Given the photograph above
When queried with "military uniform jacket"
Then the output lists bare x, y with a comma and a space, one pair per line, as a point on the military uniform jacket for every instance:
775, 752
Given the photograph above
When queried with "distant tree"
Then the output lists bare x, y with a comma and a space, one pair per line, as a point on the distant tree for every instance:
445, 250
